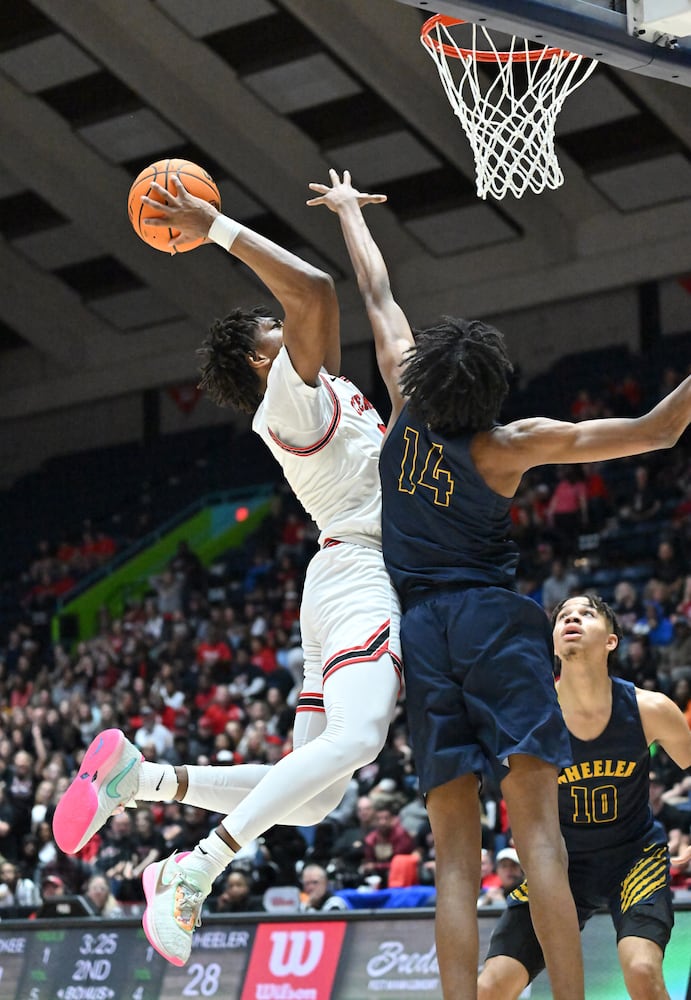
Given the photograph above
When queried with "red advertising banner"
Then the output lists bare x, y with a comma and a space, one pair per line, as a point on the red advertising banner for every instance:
294, 961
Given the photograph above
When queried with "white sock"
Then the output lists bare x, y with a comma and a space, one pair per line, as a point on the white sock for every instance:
211, 856
157, 782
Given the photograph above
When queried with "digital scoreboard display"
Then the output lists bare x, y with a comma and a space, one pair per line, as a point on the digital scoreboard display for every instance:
63, 962
340, 956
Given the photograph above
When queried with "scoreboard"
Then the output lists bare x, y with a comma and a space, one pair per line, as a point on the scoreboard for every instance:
343, 955
109, 961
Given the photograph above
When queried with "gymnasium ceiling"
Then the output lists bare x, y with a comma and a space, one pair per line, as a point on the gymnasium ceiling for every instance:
267, 94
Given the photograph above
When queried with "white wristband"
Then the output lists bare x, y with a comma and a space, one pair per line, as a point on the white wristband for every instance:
224, 231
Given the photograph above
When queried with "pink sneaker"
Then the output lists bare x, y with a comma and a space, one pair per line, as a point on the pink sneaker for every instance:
108, 778
174, 898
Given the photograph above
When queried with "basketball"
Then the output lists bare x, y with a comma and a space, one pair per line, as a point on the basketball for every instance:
196, 180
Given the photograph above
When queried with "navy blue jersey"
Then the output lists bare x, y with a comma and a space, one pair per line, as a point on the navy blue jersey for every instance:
442, 525
603, 795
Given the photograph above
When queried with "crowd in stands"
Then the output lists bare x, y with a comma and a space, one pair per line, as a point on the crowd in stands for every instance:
207, 666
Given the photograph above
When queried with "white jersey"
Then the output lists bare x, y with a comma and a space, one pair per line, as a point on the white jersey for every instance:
327, 439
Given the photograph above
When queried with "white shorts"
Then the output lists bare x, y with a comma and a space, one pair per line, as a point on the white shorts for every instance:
349, 614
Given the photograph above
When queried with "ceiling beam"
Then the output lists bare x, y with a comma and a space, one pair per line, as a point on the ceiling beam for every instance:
194, 89
44, 311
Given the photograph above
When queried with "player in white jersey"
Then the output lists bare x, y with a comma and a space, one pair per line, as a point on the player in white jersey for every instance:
334, 476
326, 436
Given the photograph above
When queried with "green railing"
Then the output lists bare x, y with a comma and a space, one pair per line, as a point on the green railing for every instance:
211, 526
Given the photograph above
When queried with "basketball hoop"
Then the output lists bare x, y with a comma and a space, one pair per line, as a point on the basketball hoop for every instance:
507, 102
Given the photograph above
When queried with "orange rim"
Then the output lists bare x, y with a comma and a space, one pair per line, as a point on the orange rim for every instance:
454, 52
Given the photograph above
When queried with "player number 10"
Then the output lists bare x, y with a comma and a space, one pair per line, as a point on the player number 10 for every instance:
594, 805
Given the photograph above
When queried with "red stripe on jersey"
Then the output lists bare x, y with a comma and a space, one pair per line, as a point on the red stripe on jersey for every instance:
312, 449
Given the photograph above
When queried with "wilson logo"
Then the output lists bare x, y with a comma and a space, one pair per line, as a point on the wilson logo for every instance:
295, 953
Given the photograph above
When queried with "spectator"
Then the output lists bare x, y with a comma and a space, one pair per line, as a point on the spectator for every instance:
656, 622
598, 497
28, 862
389, 837
171, 824
9, 841
643, 503
639, 663
567, 511
681, 696
101, 899
47, 848
426, 854
168, 588
149, 844
20, 786
152, 732
194, 825
202, 740
236, 895
188, 567
222, 709
44, 800
560, 584
253, 746
293, 537
214, 650
490, 883
676, 658
117, 848
584, 407
669, 568
509, 875
284, 848
14, 889
627, 606
675, 821
684, 605
52, 887
413, 814
317, 895
348, 851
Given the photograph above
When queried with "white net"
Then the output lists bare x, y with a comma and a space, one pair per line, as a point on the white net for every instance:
507, 103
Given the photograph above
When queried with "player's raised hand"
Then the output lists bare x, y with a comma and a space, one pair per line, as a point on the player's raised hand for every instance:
341, 192
181, 211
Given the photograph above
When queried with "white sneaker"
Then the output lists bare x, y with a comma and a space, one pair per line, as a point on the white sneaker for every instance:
107, 780
174, 897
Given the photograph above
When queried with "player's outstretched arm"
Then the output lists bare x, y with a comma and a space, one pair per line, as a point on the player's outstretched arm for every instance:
512, 450
307, 295
392, 333
664, 723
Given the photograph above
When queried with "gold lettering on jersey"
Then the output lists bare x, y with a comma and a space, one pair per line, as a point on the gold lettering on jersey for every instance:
597, 769
433, 476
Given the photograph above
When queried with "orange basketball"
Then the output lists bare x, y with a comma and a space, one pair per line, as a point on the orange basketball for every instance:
197, 181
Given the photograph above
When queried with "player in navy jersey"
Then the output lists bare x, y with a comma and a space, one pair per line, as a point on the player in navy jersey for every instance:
617, 851
478, 657
326, 437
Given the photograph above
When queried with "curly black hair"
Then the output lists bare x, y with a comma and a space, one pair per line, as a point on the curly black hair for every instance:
602, 608
226, 376
456, 376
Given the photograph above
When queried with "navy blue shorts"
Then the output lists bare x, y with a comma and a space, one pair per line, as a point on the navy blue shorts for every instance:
479, 682
634, 885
